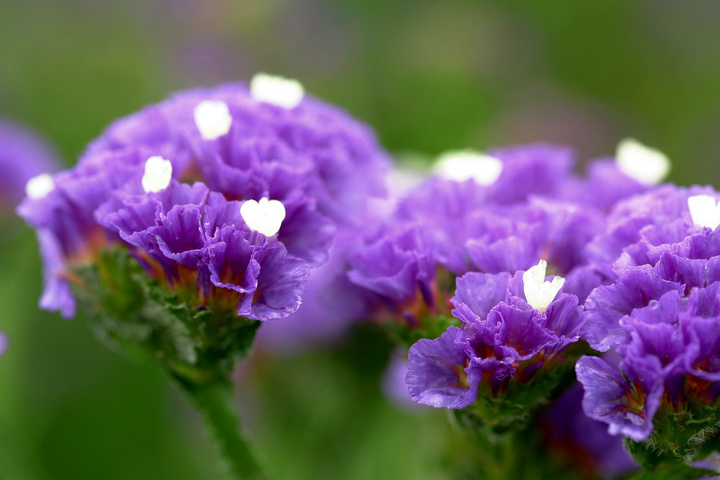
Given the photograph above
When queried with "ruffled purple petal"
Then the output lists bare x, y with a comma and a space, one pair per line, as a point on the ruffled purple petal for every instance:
436, 373
626, 403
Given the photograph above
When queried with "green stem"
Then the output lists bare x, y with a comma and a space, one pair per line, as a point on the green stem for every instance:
215, 402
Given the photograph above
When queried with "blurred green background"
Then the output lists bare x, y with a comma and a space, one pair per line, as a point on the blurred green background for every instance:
429, 76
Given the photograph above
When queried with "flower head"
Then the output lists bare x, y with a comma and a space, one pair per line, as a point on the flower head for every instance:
503, 338
283, 179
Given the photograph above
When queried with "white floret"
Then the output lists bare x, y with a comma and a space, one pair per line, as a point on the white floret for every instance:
158, 173
468, 164
265, 216
646, 165
280, 91
39, 186
704, 211
539, 293
213, 119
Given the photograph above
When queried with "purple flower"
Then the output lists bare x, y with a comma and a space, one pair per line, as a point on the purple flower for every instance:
511, 326
263, 150
3, 343
662, 314
275, 179
196, 236
607, 305
438, 374
539, 170
659, 216
670, 354
63, 217
491, 228
396, 264
24, 155
473, 231
445, 207
604, 186
627, 401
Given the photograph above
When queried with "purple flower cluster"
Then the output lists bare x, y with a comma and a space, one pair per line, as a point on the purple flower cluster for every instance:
661, 314
494, 222
635, 272
233, 194
508, 331
535, 208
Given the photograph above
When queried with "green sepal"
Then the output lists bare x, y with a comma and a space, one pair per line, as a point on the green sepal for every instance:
515, 407
679, 438
656, 466
136, 314
405, 335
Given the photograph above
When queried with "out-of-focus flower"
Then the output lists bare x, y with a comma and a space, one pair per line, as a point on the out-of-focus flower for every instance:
26, 159
3, 343
583, 442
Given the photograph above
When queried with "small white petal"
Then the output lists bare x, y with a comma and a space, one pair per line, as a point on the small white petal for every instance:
704, 211
646, 165
468, 164
213, 119
265, 216
38, 187
280, 91
158, 173
538, 292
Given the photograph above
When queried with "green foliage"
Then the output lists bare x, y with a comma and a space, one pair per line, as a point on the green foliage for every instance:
679, 438
430, 326
133, 313
515, 407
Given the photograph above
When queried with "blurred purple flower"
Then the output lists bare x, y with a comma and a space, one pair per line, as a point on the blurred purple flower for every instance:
23, 155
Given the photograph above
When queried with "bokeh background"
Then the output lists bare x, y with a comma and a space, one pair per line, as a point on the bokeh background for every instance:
429, 76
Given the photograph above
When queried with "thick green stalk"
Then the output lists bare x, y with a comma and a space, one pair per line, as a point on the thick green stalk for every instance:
215, 402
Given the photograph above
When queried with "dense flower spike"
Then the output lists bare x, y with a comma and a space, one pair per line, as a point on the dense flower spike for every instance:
185, 225
532, 211
496, 274
296, 173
